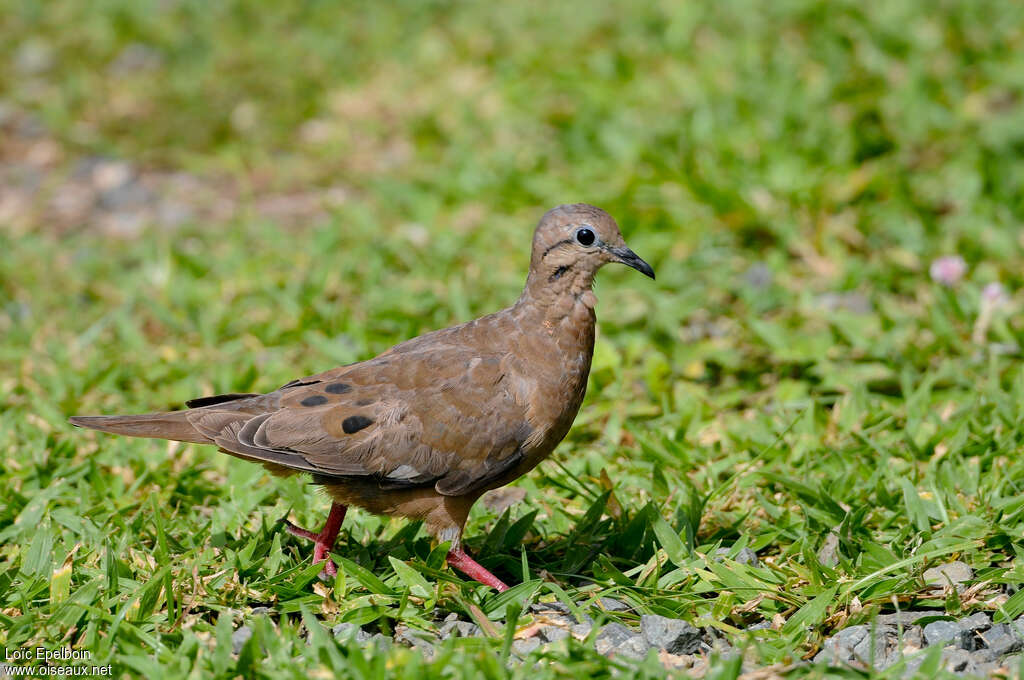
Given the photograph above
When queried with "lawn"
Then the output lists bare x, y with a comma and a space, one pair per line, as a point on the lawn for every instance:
207, 197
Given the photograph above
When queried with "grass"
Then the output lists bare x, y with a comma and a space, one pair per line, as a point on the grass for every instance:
790, 170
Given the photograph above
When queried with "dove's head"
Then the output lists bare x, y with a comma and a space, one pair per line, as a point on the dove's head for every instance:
571, 243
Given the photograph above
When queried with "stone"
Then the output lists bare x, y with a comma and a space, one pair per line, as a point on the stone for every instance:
553, 633
413, 637
942, 633
1000, 641
904, 618
954, 573
460, 629
34, 57
850, 301
828, 554
744, 556
581, 630
350, 631
239, 638
134, 58
843, 643
611, 637
610, 604
956, 660
524, 646
675, 636
879, 648
758, 276
635, 647
976, 622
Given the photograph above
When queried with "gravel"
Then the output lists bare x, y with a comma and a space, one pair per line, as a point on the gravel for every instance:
954, 574
675, 636
239, 638
971, 645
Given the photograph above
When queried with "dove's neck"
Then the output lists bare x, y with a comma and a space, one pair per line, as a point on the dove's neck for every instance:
560, 295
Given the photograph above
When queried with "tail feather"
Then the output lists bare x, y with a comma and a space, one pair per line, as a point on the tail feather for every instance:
173, 425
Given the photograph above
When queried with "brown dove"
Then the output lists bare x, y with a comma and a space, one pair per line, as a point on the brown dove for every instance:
424, 429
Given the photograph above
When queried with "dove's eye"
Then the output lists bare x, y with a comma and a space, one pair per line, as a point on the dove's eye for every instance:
585, 236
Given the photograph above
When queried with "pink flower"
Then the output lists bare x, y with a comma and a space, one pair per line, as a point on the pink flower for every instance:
994, 295
948, 270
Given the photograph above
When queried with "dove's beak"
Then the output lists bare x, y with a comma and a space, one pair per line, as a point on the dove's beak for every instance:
631, 259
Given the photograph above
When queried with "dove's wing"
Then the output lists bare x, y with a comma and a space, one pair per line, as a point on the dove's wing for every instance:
432, 414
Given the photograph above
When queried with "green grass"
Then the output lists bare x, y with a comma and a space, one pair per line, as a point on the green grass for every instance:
838, 147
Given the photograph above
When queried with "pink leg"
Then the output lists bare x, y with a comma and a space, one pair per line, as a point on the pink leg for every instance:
468, 566
323, 542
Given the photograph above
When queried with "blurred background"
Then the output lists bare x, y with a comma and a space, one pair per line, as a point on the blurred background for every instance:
200, 197
348, 175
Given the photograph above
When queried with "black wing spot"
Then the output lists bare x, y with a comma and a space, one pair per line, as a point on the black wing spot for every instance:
218, 399
338, 388
315, 400
353, 424
298, 383
365, 402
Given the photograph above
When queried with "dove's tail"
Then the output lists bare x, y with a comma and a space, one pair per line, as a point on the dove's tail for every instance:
172, 425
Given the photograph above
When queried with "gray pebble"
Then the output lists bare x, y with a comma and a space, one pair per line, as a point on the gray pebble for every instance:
1000, 641
524, 646
954, 573
904, 618
611, 637
839, 648
554, 633
581, 630
744, 556
415, 638
239, 638
610, 604
760, 625
380, 640
34, 57
261, 611
850, 301
548, 607
130, 196
349, 631
942, 633
976, 622
673, 635
880, 647
758, 275
828, 554
133, 58
957, 660
460, 629
635, 647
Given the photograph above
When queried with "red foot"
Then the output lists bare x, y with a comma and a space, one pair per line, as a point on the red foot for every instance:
323, 542
468, 566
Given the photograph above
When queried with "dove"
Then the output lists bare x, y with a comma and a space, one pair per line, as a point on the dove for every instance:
424, 429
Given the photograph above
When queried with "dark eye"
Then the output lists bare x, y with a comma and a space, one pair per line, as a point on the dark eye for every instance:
585, 236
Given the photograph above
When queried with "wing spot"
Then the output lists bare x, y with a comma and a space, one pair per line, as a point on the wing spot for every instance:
353, 424
338, 388
315, 400
365, 402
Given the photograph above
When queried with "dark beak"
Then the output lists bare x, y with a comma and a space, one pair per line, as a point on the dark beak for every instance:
631, 259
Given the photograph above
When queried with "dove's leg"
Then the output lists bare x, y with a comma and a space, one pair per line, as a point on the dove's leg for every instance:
323, 542
471, 568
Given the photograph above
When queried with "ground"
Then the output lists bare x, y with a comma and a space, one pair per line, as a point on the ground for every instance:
202, 197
